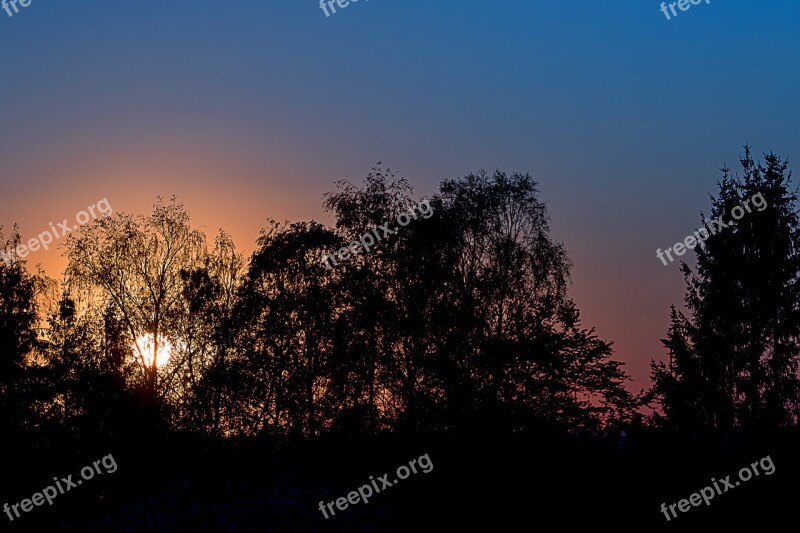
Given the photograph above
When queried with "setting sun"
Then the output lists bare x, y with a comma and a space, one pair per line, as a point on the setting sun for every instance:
145, 344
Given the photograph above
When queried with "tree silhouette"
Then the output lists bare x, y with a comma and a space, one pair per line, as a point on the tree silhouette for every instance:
282, 332
377, 370
526, 353
476, 299
459, 317
733, 362
82, 383
455, 330
206, 329
18, 338
136, 263
461, 313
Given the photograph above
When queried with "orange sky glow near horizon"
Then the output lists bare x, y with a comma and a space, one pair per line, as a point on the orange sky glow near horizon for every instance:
234, 191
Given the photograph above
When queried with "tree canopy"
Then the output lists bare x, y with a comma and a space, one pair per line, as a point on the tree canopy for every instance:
459, 315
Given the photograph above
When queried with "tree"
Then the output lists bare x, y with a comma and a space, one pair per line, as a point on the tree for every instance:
466, 311
207, 328
82, 381
136, 263
733, 362
18, 336
374, 373
283, 333
522, 351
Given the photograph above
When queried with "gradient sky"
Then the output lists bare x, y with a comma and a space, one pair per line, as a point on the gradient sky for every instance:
252, 109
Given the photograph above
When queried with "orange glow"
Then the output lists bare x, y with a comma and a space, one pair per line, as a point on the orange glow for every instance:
145, 347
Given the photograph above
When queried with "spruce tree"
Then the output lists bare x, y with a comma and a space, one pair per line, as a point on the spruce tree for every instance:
733, 361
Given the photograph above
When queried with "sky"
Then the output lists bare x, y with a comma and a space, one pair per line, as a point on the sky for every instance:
253, 109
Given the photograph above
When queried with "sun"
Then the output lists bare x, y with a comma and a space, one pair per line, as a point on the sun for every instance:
145, 344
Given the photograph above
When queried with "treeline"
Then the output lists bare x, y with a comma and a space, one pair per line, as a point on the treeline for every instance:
458, 317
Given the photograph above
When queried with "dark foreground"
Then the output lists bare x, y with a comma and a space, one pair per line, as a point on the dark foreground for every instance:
476, 481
